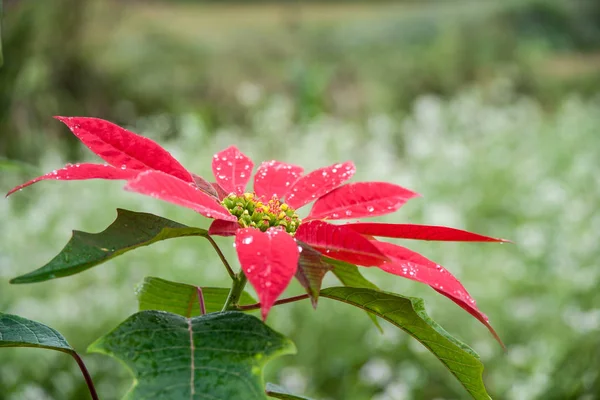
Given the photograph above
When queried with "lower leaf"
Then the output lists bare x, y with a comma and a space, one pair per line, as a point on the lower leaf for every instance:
218, 355
408, 314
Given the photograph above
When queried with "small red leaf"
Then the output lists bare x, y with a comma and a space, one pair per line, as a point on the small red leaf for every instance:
168, 188
124, 149
361, 199
269, 260
274, 178
411, 265
311, 270
318, 183
339, 242
223, 228
205, 186
221, 193
232, 169
80, 172
420, 232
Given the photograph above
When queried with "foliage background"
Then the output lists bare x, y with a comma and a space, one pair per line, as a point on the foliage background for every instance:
488, 109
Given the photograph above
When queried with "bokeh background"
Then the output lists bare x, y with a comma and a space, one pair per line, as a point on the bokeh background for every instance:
490, 109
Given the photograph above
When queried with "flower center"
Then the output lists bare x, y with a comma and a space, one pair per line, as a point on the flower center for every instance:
252, 213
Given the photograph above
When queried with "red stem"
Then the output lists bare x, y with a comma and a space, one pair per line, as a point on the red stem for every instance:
201, 300
86, 375
278, 302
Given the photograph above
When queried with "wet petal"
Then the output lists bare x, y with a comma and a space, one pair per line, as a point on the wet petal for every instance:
223, 228
81, 172
232, 170
420, 232
318, 183
205, 186
269, 260
274, 178
408, 264
168, 188
361, 199
124, 149
340, 242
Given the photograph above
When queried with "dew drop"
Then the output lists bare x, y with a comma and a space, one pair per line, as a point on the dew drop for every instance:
370, 209
268, 284
123, 166
334, 170
348, 213
299, 249
247, 240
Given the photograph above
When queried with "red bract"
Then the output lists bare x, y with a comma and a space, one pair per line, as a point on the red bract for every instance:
265, 228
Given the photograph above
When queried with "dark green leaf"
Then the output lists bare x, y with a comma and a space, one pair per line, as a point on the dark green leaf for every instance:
278, 392
182, 299
16, 331
311, 270
129, 231
214, 356
350, 276
408, 314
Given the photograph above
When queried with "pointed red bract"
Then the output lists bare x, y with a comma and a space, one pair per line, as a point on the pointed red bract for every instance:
339, 242
274, 178
168, 188
205, 186
80, 172
124, 149
223, 228
318, 183
408, 264
361, 199
232, 169
269, 260
419, 232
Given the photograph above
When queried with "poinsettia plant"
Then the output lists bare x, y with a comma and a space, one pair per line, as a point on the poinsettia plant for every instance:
201, 342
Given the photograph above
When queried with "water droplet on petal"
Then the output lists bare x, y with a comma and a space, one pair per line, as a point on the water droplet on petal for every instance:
123, 166
247, 240
370, 209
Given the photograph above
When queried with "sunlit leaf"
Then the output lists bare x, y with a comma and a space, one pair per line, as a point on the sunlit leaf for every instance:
214, 356
419, 232
361, 199
129, 231
168, 188
408, 264
339, 242
124, 149
274, 178
318, 183
232, 169
269, 260
81, 171
182, 299
408, 314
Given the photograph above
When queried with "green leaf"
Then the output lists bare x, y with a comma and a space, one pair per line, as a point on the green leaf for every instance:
129, 231
311, 270
408, 314
214, 356
180, 298
350, 276
280, 393
16, 331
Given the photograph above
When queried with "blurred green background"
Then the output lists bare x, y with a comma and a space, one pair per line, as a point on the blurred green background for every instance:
490, 109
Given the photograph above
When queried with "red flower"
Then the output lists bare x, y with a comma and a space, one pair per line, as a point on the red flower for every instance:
265, 227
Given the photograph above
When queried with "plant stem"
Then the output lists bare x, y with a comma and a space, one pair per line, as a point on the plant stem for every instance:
86, 375
282, 301
237, 287
201, 300
222, 257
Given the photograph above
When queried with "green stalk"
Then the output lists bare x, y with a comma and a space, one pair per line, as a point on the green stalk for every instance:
237, 287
